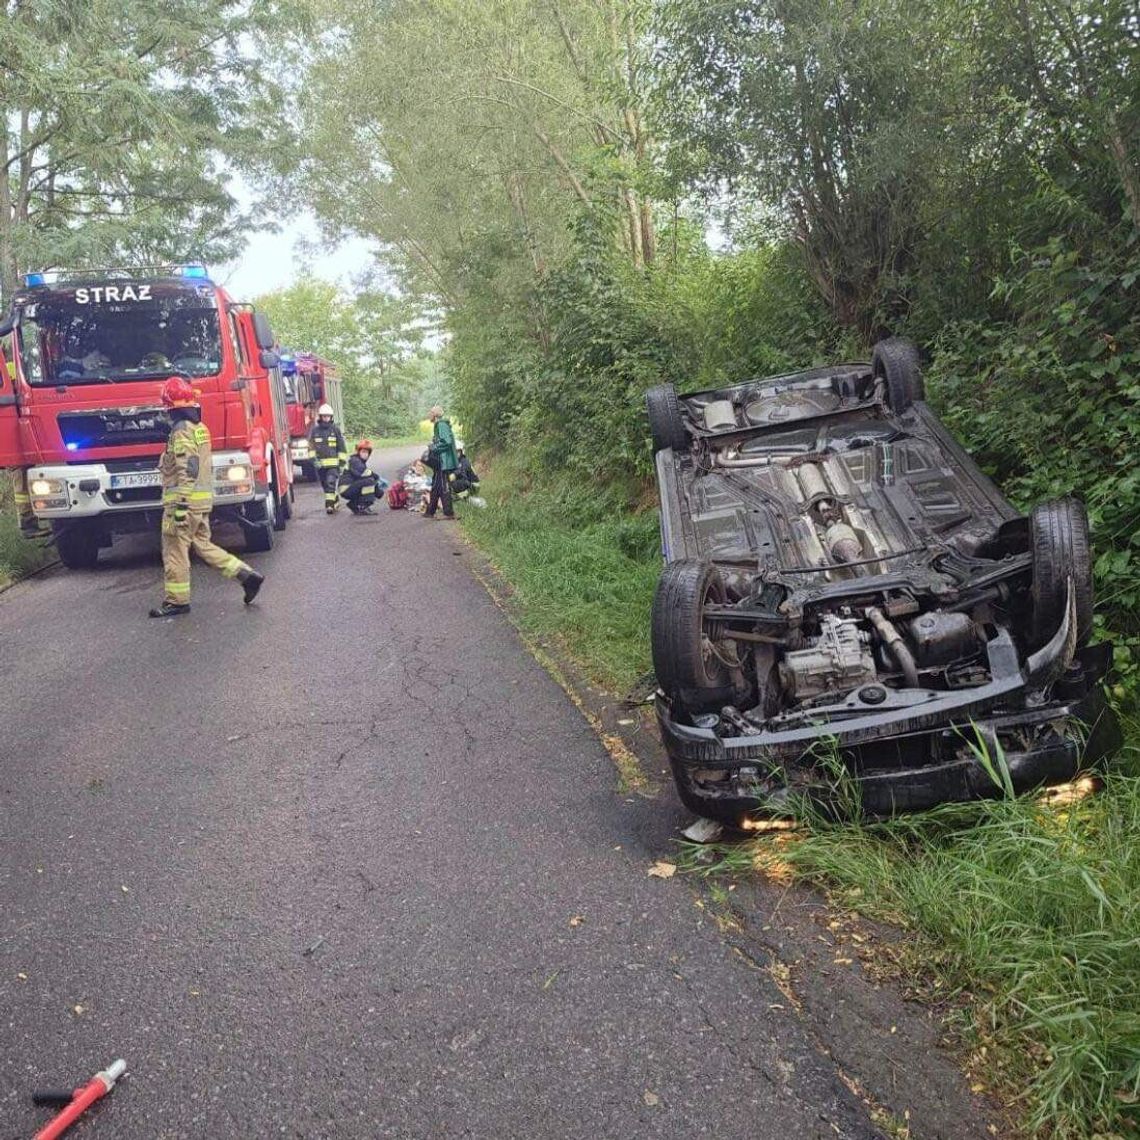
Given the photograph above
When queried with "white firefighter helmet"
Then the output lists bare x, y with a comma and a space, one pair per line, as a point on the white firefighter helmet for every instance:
325, 410
460, 445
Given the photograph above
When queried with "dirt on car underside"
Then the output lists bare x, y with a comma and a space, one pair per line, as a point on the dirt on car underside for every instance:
900, 484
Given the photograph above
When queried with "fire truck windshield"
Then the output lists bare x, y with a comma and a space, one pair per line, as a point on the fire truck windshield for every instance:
130, 331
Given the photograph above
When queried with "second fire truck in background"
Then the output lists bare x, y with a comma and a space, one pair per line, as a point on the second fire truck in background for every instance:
309, 382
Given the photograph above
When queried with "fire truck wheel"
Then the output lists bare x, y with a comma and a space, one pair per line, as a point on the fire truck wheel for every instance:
259, 538
276, 508
259, 527
78, 545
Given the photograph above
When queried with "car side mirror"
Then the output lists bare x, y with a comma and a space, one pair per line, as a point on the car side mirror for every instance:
269, 359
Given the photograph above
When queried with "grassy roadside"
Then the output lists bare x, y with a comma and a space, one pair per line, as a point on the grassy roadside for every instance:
18, 556
583, 567
1032, 912
380, 441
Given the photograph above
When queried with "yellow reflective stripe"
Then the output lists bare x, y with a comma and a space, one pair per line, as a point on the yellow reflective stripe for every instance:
232, 566
368, 490
23, 498
173, 495
179, 588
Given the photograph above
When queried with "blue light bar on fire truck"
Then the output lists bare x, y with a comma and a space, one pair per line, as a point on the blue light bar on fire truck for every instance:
195, 271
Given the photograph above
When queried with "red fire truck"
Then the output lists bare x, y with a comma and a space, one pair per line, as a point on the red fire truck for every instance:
309, 382
79, 402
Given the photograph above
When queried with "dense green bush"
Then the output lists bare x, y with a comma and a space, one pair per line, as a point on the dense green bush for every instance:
574, 398
1048, 402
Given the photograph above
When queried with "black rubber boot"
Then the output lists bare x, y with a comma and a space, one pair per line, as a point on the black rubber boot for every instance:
251, 582
30, 528
167, 610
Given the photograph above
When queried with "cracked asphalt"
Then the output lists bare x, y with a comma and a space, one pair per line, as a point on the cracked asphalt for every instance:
348, 863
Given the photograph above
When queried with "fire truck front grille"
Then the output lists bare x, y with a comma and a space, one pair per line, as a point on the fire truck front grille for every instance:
119, 427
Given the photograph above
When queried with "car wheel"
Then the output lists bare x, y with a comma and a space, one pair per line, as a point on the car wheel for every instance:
895, 360
666, 423
77, 544
692, 669
1059, 543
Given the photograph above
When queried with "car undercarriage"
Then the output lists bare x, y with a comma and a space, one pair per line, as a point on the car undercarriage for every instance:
848, 602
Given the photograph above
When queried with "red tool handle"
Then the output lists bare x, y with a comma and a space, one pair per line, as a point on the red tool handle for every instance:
95, 1089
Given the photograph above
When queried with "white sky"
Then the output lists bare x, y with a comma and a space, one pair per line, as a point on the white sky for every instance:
297, 251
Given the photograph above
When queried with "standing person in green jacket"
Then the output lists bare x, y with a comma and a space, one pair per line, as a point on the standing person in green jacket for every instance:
444, 463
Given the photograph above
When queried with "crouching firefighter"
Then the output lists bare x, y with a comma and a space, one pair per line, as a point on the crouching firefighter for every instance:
331, 452
363, 485
187, 471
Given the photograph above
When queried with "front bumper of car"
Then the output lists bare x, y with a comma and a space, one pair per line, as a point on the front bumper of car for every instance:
920, 750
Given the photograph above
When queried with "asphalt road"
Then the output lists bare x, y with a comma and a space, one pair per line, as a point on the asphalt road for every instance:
348, 863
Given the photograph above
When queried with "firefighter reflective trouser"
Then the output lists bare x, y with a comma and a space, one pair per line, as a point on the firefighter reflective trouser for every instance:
177, 542
360, 493
330, 476
22, 498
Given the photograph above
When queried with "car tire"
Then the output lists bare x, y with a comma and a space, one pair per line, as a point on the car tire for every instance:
1060, 546
896, 361
666, 423
687, 670
77, 544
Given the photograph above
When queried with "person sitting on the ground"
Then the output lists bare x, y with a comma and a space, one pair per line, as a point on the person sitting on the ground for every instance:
363, 484
465, 479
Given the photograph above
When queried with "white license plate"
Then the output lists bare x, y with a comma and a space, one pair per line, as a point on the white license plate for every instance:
137, 479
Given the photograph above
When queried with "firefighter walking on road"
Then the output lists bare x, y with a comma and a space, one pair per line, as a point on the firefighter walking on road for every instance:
332, 454
187, 494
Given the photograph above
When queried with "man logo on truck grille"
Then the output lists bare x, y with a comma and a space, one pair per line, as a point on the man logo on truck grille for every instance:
97, 293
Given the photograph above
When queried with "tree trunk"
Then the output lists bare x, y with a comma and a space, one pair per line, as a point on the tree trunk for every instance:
8, 267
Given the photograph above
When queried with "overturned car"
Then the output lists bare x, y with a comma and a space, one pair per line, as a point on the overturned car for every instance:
849, 604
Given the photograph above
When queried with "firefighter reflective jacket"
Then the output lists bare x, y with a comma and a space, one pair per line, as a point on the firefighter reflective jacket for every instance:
328, 444
187, 467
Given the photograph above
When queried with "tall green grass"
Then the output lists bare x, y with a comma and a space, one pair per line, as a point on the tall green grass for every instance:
18, 556
583, 566
1031, 909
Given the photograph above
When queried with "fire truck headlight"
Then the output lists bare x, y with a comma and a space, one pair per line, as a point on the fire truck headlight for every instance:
237, 473
47, 487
